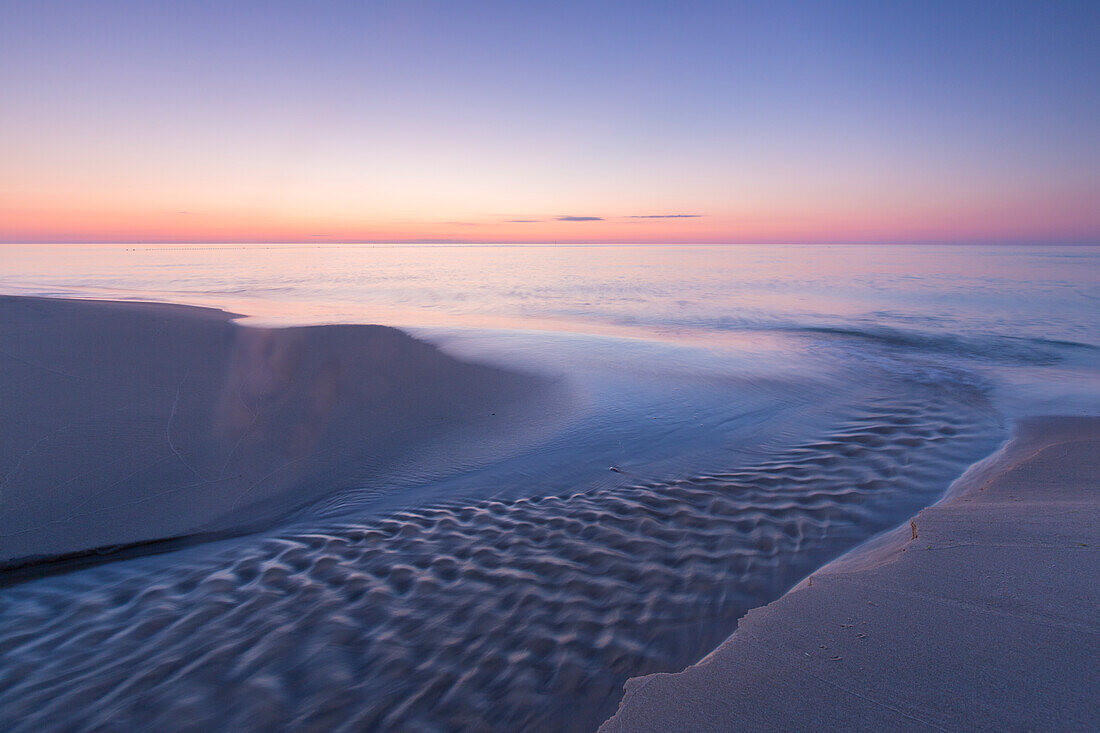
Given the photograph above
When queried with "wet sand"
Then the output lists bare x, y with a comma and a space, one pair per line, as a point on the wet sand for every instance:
980, 615
127, 423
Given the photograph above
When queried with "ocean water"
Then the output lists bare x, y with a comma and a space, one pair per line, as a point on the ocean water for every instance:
736, 417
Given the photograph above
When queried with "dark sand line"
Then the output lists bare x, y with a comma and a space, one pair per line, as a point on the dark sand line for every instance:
979, 615
125, 423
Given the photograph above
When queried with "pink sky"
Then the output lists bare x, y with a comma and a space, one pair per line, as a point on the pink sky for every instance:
421, 122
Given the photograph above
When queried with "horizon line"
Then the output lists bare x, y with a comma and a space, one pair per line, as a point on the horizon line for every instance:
534, 243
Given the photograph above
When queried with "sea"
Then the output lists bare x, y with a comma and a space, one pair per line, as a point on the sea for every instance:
731, 418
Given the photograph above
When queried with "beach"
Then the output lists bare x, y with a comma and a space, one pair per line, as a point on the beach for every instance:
979, 614
574, 366
288, 517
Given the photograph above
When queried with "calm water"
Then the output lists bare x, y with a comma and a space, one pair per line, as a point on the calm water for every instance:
641, 291
765, 409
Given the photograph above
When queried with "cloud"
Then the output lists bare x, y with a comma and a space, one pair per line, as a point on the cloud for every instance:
666, 216
522, 221
579, 218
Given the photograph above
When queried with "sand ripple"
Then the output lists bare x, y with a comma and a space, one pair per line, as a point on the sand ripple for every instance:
501, 615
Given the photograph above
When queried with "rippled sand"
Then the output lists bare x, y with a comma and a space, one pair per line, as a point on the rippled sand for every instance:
529, 613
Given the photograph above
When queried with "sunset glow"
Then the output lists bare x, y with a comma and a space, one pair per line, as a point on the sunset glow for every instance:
679, 122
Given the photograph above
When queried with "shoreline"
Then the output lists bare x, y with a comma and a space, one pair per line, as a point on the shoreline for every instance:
655, 555
925, 626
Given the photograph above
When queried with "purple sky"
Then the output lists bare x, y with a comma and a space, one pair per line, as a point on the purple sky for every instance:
556, 121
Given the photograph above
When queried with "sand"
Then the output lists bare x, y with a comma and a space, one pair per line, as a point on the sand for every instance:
980, 615
124, 423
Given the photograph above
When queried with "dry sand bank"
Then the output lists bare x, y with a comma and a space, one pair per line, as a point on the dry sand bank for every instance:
980, 616
123, 423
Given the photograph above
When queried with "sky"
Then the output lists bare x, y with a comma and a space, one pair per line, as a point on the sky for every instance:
557, 121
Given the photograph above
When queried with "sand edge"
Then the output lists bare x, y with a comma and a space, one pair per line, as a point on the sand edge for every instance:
755, 680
